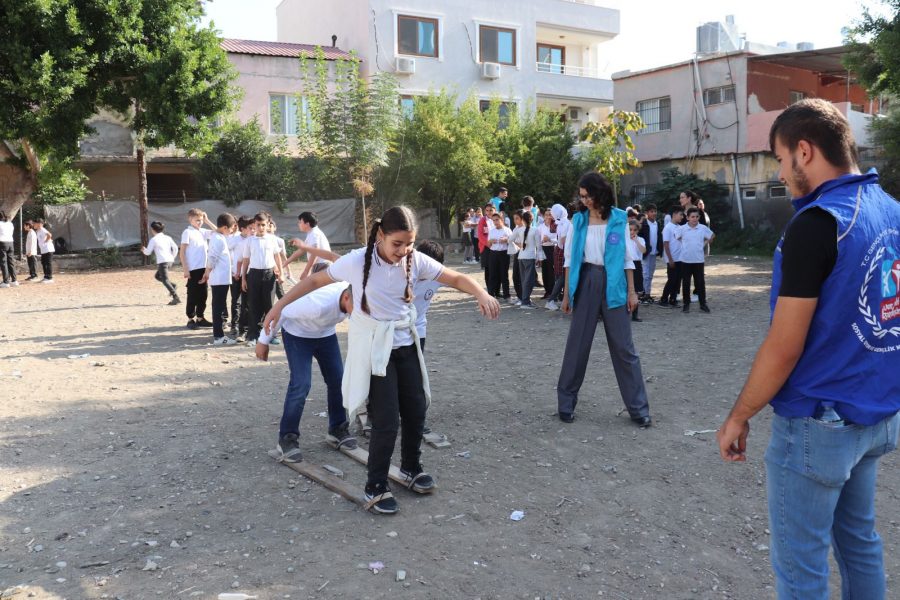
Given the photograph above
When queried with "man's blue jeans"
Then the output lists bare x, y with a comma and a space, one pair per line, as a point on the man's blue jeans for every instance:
821, 488
300, 353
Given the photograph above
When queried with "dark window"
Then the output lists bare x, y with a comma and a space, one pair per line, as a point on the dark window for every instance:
504, 109
551, 59
407, 106
498, 45
656, 114
417, 36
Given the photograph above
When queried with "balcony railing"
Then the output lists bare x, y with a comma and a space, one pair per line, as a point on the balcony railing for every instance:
570, 70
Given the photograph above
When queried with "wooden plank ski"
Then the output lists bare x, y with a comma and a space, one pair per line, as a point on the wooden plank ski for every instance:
436, 440
325, 479
361, 456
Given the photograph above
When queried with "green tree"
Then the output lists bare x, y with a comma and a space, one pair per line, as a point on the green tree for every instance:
148, 60
714, 195
242, 165
612, 150
60, 183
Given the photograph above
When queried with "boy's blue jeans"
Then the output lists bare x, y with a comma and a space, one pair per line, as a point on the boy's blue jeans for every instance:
821, 488
300, 353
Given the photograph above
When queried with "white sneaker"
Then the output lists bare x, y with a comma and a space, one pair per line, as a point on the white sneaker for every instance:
518, 303
46, 280
14, 284
4, 285
527, 306
251, 343
224, 341
551, 305
511, 300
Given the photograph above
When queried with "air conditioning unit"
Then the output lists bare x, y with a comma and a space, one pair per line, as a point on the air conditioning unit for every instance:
406, 66
574, 114
490, 70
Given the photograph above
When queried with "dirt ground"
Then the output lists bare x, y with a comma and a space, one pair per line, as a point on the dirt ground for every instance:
133, 460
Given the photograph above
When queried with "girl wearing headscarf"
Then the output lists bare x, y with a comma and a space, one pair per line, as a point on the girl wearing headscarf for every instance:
561, 218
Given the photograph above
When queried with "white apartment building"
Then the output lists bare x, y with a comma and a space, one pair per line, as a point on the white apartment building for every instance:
548, 53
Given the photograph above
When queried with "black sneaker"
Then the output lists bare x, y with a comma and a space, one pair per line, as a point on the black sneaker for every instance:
379, 499
340, 437
686, 308
192, 324
664, 304
426, 430
289, 447
418, 480
704, 308
175, 300
202, 322
233, 332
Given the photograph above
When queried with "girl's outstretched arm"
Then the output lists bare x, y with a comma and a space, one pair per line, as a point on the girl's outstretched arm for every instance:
311, 283
487, 304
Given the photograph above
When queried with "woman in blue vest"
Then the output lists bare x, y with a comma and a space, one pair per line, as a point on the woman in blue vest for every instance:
599, 285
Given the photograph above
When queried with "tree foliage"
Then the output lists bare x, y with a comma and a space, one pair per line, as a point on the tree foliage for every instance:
242, 165
715, 195
612, 150
60, 183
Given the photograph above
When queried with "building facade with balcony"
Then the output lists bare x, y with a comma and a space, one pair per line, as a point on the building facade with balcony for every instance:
549, 53
711, 116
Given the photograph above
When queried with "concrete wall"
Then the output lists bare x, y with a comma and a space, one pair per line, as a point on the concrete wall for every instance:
772, 84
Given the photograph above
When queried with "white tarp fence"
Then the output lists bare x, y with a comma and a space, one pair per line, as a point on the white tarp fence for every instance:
101, 224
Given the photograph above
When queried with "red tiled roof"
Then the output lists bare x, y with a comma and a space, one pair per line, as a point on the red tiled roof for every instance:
281, 49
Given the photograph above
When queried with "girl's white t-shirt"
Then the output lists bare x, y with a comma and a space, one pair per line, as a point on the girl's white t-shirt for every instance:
6, 231
386, 285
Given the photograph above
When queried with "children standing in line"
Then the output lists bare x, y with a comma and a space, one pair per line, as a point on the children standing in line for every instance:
384, 360
635, 252
7, 264
693, 238
547, 233
165, 249
308, 327
469, 251
512, 251
485, 224
672, 253
218, 275
261, 266
31, 250
498, 259
530, 254
193, 263
45, 245
239, 309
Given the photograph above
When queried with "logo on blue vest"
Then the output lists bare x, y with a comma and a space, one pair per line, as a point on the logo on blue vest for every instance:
890, 288
879, 294
614, 238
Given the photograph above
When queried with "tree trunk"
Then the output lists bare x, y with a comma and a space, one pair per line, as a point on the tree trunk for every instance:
143, 207
18, 182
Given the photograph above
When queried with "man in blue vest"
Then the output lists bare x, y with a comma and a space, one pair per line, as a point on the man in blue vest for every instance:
829, 364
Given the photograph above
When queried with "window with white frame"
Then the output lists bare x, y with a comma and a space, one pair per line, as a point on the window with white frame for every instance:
778, 192
497, 45
407, 106
718, 95
656, 114
641, 191
504, 109
287, 114
417, 36
748, 193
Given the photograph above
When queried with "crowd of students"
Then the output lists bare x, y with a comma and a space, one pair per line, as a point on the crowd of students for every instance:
38, 243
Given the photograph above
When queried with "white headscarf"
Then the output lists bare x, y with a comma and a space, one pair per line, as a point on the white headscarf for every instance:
559, 212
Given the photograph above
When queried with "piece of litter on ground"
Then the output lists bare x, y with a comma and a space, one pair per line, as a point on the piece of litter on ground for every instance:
150, 566
517, 515
465, 454
401, 575
376, 566
322, 414
691, 432
74, 356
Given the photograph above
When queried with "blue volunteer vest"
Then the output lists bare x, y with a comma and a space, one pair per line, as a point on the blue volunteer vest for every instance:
852, 352
613, 256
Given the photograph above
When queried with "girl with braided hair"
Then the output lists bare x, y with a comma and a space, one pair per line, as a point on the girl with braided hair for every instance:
384, 361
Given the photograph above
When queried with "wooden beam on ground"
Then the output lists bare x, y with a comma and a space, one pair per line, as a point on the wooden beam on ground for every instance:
361, 456
324, 478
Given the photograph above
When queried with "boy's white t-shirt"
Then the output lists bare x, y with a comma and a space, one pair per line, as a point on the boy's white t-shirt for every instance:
219, 260
195, 253
313, 316
423, 292
261, 251
674, 243
31, 245
165, 247
386, 285
317, 239
6, 231
693, 242
45, 242
236, 243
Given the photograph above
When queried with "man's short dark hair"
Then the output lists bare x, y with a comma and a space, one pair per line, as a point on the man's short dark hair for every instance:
677, 210
157, 227
309, 218
500, 190
432, 249
244, 222
489, 205
822, 125
225, 220
650, 207
693, 211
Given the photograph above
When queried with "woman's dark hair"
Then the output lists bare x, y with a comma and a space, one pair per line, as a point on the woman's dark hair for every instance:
527, 217
157, 226
599, 191
692, 196
3, 216
397, 218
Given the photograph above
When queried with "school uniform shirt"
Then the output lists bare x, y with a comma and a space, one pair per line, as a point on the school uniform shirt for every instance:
6, 231
563, 229
544, 230
386, 285
165, 247
313, 316
219, 260
317, 239
669, 232
494, 236
466, 226
261, 251
45, 242
423, 293
195, 253
529, 247
236, 244
632, 250
281, 245
653, 228
31, 245
693, 242
512, 248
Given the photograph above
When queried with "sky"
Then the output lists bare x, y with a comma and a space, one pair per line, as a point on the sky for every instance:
652, 32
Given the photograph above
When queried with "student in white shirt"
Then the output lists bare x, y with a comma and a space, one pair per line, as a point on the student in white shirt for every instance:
31, 250
561, 219
512, 251
693, 237
165, 249
384, 363
498, 268
635, 249
672, 254
260, 268
308, 223
528, 239
282, 255
239, 308
547, 233
308, 328
218, 275
468, 251
193, 263
474, 218
7, 258
45, 245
